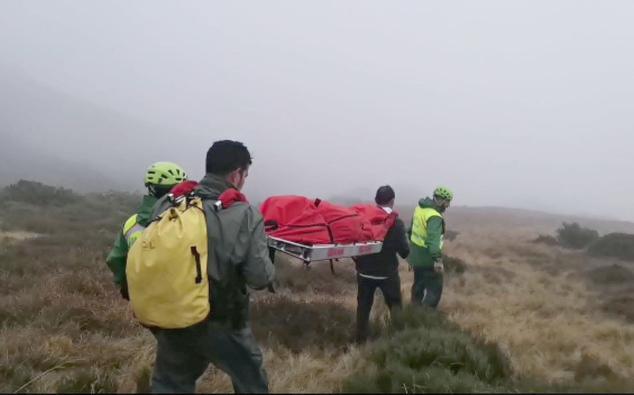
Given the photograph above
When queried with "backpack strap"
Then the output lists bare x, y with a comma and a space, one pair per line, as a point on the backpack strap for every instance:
184, 188
231, 196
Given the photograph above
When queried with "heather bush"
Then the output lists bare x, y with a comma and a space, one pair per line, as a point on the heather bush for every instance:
424, 352
572, 235
615, 245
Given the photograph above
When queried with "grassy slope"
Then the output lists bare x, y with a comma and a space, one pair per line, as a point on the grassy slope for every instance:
64, 328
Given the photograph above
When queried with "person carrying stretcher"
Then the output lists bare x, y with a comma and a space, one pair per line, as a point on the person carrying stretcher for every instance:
381, 270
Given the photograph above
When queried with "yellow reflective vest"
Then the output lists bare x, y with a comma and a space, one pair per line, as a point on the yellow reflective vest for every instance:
419, 225
132, 230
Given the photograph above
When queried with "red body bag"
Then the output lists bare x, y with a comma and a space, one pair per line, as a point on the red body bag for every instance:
380, 221
345, 224
294, 218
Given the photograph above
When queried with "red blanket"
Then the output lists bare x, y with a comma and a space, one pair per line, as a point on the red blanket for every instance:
299, 219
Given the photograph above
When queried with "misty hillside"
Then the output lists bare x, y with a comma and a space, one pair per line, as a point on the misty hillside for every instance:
23, 162
94, 152
515, 316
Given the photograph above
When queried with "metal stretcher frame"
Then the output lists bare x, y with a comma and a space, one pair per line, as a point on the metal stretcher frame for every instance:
324, 252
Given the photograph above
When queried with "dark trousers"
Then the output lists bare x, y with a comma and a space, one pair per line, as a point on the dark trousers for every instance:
391, 289
427, 287
182, 356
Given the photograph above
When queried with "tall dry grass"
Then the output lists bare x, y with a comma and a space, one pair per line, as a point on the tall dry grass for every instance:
537, 303
64, 328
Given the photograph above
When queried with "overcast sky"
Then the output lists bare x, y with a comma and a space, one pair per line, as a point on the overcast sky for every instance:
513, 103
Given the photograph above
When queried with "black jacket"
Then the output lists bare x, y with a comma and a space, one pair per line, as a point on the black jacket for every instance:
385, 263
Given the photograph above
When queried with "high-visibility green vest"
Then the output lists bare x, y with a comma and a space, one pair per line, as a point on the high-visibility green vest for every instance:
132, 230
419, 225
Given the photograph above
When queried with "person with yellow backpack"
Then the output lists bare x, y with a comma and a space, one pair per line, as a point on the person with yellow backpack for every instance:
426, 243
160, 177
188, 275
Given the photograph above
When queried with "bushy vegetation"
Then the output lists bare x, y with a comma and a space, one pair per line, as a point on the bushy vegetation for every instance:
573, 236
424, 352
98, 213
39, 194
611, 275
616, 245
57, 304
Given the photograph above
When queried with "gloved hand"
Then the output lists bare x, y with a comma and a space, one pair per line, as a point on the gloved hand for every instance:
438, 266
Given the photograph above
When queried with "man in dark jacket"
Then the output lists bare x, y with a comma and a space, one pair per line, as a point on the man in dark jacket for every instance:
381, 270
240, 258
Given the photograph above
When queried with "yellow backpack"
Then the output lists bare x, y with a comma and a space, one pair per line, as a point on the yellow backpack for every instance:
167, 269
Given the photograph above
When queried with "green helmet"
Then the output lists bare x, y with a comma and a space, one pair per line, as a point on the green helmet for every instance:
443, 193
164, 174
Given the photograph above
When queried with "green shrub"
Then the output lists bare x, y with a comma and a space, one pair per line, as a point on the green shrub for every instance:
424, 352
572, 235
617, 245
39, 194
67, 223
611, 275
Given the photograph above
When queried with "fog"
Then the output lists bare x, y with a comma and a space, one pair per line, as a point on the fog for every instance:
521, 104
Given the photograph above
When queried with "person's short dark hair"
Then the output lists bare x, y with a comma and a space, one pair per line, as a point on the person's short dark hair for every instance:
225, 156
384, 195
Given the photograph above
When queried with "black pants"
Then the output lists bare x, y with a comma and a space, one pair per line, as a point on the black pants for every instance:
183, 355
391, 289
427, 287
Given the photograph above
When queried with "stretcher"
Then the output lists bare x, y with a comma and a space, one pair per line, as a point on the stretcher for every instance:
323, 252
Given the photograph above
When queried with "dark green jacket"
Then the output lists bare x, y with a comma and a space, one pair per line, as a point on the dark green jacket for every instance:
116, 260
240, 255
425, 257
